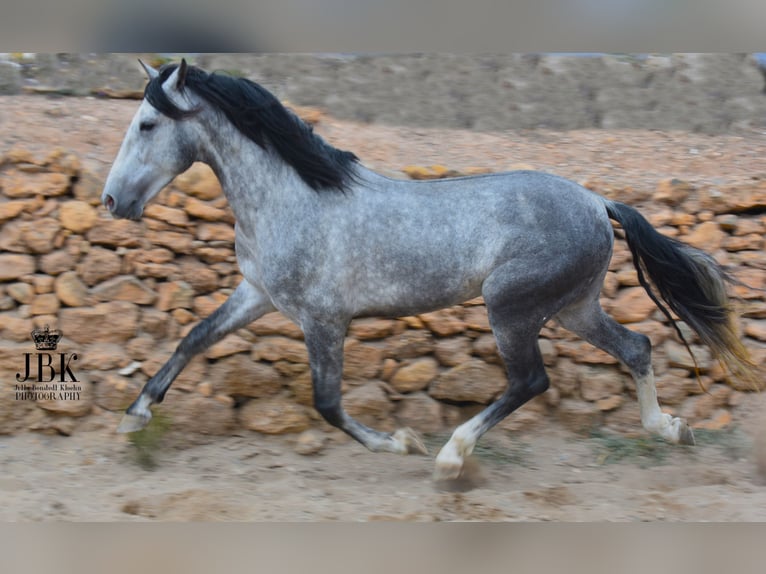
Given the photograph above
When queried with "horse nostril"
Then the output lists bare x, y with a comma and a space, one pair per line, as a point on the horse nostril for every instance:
109, 202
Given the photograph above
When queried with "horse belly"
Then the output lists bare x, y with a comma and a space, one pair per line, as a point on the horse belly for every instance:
415, 287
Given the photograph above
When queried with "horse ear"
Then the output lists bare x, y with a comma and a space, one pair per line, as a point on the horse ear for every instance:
181, 71
177, 80
151, 72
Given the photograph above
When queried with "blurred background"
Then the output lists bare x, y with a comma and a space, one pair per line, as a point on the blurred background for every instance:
392, 26
708, 93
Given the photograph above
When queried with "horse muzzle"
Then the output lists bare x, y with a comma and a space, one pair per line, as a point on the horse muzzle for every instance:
132, 210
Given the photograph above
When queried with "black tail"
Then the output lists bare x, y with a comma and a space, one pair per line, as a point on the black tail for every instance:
692, 284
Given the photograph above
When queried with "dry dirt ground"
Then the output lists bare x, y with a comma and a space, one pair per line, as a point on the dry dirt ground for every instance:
545, 474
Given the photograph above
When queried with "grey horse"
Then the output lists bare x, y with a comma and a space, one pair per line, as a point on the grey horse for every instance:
323, 240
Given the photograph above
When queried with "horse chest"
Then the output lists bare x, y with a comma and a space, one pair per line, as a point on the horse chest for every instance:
286, 269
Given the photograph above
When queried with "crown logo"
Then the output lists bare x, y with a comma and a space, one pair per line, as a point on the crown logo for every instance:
45, 339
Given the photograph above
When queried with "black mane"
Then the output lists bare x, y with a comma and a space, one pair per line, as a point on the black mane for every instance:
260, 116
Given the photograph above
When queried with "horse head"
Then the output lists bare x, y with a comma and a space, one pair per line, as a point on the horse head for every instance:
156, 146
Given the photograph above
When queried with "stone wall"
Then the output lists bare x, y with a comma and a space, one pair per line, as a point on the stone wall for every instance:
710, 93
124, 293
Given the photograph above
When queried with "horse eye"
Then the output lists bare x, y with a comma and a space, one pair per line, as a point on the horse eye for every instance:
146, 126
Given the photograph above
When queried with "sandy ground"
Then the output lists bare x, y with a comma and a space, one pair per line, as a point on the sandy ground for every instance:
547, 474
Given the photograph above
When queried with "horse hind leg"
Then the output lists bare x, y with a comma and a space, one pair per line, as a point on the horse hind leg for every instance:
516, 335
589, 321
520, 297
527, 379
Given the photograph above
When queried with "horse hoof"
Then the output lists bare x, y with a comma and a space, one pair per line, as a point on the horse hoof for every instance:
686, 436
468, 476
133, 423
449, 464
411, 441
447, 471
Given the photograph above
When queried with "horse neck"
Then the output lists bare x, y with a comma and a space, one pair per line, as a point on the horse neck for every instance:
249, 175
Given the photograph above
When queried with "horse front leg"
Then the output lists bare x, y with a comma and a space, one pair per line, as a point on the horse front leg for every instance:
325, 346
244, 306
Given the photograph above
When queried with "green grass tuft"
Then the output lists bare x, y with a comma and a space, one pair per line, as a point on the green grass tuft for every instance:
146, 442
730, 440
644, 451
518, 454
